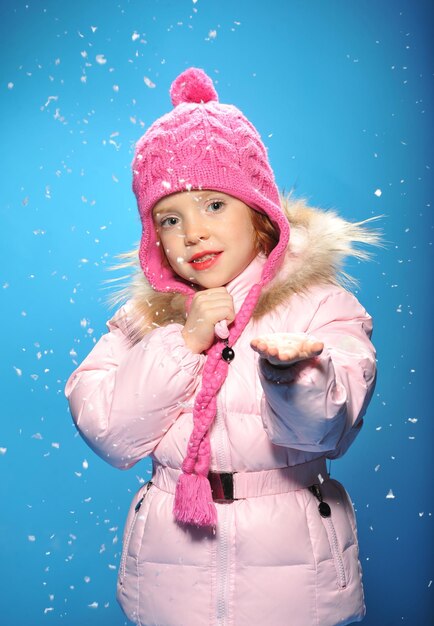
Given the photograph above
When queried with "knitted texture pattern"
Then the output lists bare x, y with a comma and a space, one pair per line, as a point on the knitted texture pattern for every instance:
203, 144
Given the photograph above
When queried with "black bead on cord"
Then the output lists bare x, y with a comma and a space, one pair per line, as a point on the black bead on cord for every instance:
228, 354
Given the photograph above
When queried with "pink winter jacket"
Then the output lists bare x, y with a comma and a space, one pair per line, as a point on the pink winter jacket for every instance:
273, 558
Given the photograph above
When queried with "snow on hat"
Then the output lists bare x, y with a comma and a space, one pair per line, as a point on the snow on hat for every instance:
203, 144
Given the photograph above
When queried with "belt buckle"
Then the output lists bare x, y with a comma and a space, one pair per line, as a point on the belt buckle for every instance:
222, 485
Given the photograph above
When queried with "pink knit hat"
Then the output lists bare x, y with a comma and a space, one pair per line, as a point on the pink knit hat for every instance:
203, 144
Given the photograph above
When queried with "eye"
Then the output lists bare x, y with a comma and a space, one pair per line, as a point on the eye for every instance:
215, 206
167, 222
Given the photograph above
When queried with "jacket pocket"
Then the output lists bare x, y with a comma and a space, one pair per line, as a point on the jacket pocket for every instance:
326, 514
129, 530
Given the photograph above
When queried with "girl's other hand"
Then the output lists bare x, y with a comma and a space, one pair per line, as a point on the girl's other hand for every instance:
207, 308
284, 349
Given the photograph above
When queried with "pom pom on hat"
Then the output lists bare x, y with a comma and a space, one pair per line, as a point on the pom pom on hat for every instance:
193, 85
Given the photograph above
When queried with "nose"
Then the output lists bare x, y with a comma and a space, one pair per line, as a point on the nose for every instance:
195, 230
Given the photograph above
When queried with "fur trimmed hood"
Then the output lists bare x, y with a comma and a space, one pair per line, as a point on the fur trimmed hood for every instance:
320, 241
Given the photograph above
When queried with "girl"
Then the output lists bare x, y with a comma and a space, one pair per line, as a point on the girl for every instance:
239, 365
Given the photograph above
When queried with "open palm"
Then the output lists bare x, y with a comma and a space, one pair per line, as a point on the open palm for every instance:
286, 348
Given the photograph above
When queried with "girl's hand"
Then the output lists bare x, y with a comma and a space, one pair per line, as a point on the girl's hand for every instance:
284, 349
207, 308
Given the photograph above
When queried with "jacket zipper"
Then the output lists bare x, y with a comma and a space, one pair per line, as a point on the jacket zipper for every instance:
326, 514
222, 569
130, 532
222, 546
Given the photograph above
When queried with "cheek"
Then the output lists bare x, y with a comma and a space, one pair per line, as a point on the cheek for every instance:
249, 240
174, 255
241, 236
166, 243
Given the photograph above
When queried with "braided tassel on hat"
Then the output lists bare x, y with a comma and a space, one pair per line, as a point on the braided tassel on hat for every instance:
193, 498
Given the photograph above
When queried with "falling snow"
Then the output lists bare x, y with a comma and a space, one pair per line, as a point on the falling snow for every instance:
148, 82
84, 122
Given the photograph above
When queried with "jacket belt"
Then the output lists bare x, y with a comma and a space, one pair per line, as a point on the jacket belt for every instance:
240, 485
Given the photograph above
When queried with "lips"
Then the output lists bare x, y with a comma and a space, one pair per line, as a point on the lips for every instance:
201, 255
204, 260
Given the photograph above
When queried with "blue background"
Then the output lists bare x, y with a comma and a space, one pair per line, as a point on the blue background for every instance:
342, 94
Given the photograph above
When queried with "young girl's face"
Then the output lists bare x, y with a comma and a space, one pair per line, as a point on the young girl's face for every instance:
207, 236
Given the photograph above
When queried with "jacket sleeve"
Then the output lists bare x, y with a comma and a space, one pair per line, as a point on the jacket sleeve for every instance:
318, 405
124, 397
